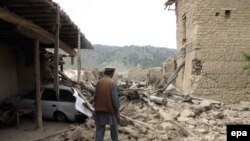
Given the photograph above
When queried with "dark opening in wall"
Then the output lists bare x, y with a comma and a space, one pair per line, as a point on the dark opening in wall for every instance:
196, 66
227, 13
217, 14
184, 28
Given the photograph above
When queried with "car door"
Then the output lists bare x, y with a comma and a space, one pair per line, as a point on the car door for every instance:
49, 103
66, 103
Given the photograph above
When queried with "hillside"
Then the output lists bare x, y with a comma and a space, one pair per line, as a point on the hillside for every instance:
125, 57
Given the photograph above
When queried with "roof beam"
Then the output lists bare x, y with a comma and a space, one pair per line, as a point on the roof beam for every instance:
32, 30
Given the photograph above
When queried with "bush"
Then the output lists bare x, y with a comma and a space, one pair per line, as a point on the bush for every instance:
247, 57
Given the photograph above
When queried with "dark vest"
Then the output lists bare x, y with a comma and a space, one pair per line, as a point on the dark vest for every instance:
103, 99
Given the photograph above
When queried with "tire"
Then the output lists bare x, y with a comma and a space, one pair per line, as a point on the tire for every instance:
61, 117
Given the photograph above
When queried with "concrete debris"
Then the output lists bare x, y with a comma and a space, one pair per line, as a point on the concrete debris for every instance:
187, 113
176, 120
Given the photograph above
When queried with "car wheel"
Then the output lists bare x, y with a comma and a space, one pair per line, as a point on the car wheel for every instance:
59, 116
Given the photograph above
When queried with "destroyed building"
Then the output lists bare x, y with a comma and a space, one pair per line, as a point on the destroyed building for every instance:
24, 25
211, 36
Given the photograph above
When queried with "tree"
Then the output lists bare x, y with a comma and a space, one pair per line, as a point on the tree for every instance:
247, 57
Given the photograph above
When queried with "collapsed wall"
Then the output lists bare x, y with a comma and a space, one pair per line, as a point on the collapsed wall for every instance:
211, 36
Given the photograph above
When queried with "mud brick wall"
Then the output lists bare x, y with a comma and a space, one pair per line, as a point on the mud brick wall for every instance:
15, 75
211, 36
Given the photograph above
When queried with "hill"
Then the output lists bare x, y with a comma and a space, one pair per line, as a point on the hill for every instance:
125, 57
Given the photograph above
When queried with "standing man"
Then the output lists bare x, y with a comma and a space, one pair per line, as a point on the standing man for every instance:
107, 105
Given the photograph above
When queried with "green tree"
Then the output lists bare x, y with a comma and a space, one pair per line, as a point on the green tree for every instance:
247, 57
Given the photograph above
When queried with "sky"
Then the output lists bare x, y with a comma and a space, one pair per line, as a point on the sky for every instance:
123, 22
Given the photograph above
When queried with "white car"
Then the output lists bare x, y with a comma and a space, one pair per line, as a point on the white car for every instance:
67, 106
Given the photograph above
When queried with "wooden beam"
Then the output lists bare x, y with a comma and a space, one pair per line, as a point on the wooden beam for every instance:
28, 11
56, 55
38, 32
42, 15
38, 111
79, 59
25, 5
46, 2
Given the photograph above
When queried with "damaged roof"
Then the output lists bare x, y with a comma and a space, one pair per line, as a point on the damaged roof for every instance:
170, 2
19, 17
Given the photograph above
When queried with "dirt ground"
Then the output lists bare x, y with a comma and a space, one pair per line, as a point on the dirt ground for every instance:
27, 131
202, 122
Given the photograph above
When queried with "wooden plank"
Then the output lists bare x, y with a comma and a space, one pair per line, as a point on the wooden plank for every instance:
37, 30
38, 108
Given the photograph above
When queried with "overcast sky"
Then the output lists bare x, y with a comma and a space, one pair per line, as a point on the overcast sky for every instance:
123, 22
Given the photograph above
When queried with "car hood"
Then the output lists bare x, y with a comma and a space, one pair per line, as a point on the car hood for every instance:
80, 105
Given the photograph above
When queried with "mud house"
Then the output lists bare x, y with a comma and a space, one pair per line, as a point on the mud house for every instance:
211, 36
27, 27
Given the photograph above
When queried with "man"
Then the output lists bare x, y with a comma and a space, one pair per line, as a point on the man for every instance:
107, 105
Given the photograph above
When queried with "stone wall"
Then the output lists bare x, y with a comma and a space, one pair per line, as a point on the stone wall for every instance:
218, 31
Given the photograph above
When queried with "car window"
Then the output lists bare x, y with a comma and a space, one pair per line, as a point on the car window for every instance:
67, 96
30, 95
49, 95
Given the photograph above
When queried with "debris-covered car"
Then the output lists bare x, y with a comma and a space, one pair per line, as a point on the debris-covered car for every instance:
67, 106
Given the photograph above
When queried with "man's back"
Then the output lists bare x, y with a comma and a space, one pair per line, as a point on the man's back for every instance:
103, 97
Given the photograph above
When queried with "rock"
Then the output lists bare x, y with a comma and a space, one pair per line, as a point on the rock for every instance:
76, 134
235, 120
130, 130
204, 120
163, 137
203, 131
187, 113
212, 122
191, 126
209, 137
245, 103
219, 123
204, 115
143, 130
183, 119
217, 115
205, 104
230, 113
241, 107
166, 126
90, 123
174, 114
197, 109
191, 121
244, 114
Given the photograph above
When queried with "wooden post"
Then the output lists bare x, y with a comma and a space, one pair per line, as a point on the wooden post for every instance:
79, 58
56, 55
72, 60
38, 109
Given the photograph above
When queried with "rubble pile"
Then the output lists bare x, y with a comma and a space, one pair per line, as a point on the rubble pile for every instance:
182, 117
160, 113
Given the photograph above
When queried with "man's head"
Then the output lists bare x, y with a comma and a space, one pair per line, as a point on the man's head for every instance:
109, 71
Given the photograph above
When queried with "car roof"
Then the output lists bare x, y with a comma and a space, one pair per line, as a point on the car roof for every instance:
51, 86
